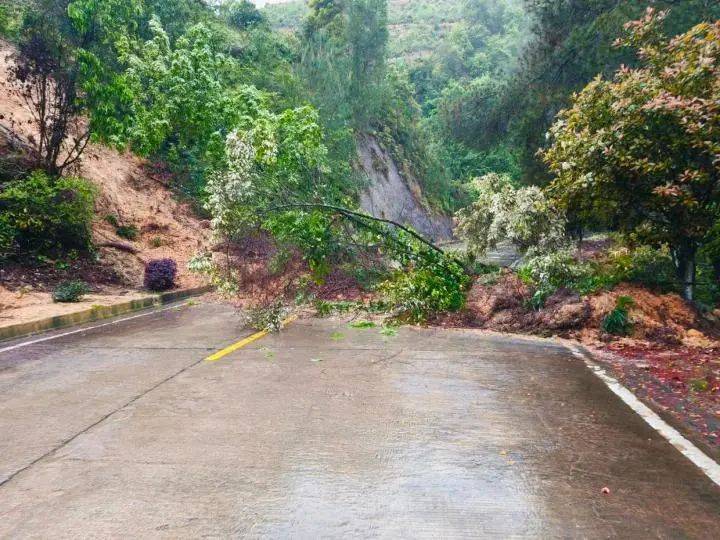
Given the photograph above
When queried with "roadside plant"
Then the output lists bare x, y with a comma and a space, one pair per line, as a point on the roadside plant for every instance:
44, 216
160, 274
501, 212
418, 292
618, 322
7, 238
70, 291
268, 317
225, 280
129, 232
554, 270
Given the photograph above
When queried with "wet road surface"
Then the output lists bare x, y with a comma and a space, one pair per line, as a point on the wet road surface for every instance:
327, 431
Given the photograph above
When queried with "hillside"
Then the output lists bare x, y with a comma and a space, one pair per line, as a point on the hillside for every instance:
416, 27
131, 192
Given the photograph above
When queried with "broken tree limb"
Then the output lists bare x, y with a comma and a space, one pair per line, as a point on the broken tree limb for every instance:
120, 246
358, 216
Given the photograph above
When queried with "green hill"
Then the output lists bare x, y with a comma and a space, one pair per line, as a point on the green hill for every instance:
416, 26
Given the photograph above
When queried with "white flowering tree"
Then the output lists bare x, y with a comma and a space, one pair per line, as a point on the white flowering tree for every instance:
277, 160
502, 212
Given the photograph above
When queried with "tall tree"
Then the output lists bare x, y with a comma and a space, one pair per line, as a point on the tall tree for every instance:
66, 66
643, 149
573, 42
367, 37
344, 58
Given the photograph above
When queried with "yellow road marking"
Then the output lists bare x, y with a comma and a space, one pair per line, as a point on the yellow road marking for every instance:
244, 342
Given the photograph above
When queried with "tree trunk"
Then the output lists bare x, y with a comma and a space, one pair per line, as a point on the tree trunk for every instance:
686, 268
689, 282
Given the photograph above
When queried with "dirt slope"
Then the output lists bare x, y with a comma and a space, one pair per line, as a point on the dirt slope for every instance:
128, 190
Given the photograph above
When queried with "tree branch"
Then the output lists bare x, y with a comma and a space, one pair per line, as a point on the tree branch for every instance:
356, 216
119, 246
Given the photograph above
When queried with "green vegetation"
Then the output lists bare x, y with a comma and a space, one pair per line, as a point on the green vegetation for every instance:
70, 291
572, 42
639, 152
260, 129
40, 215
415, 296
287, 16
267, 318
362, 324
129, 232
618, 322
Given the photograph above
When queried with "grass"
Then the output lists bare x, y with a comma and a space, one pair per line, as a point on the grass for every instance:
362, 324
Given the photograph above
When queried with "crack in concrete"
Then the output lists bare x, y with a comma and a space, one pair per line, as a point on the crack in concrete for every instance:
67, 441
388, 358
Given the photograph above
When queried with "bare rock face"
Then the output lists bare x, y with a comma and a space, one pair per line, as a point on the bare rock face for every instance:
396, 196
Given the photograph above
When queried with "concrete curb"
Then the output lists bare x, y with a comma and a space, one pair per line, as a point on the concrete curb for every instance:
98, 313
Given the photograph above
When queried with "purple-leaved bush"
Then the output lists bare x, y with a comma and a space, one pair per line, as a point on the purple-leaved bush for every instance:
160, 274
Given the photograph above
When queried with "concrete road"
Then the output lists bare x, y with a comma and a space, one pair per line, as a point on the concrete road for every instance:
326, 431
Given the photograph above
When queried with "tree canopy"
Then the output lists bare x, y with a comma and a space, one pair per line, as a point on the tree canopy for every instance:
642, 150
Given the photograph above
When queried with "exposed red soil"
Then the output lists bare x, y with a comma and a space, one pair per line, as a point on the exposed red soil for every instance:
503, 304
133, 191
251, 262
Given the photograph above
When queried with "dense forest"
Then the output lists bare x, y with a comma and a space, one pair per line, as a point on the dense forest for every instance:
534, 121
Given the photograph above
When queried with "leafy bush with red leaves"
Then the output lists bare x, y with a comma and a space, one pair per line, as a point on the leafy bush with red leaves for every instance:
160, 274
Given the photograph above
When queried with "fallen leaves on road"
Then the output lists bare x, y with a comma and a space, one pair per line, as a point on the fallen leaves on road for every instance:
683, 381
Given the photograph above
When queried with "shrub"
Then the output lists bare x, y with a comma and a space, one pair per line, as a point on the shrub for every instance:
156, 242
538, 299
523, 216
618, 322
160, 274
129, 232
42, 215
554, 270
643, 265
417, 294
7, 237
647, 266
70, 291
